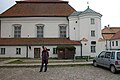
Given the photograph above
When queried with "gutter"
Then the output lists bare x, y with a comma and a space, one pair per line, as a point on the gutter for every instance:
68, 28
0, 28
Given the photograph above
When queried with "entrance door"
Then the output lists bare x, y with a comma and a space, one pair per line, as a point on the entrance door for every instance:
36, 52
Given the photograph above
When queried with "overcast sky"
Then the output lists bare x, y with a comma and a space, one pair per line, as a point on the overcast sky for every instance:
110, 9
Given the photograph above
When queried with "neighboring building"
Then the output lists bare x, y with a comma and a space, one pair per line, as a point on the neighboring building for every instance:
111, 36
31, 24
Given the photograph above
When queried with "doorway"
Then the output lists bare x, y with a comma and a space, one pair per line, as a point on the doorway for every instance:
36, 52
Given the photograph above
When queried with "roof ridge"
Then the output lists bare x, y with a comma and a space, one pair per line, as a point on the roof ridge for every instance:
41, 1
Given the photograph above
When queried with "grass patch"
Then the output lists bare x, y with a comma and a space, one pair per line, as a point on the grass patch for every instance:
16, 62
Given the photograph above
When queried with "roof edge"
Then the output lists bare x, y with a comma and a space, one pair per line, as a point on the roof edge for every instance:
42, 1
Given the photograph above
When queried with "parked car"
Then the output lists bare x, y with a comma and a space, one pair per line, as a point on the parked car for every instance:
108, 59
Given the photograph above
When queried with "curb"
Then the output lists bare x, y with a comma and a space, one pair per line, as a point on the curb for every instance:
49, 65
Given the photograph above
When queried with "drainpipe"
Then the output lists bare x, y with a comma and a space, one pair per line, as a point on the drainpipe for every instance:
0, 28
27, 51
81, 50
110, 44
106, 45
68, 29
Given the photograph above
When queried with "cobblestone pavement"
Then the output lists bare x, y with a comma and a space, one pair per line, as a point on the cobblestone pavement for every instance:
58, 73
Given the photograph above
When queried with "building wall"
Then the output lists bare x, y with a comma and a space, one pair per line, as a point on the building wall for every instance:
10, 51
114, 45
28, 29
86, 27
74, 28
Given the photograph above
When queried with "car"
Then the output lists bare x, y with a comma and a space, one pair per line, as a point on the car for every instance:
108, 59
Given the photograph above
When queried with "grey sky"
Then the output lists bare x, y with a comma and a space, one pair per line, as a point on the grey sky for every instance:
110, 9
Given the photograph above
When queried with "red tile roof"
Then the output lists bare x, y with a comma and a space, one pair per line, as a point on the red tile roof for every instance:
109, 32
38, 8
37, 41
116, 36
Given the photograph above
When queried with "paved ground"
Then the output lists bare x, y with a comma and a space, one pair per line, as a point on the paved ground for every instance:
58, 73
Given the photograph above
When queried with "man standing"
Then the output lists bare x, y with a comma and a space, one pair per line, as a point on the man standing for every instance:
45, 56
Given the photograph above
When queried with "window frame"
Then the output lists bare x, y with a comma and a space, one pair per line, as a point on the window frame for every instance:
17, 30
93, 48
92, 20
116, 43
40, 30
113, 43
92, 33
18, 51
63, 30
54, 50
2, 51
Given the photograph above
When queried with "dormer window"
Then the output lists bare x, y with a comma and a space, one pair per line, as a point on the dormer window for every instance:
92, 21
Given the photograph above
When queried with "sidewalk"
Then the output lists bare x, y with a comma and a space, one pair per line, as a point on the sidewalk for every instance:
65, 63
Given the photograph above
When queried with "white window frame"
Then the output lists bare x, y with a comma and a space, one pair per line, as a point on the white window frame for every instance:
117, 43
92, 20
93, 48
92, 33
2, 51
63, 30
40, 30
17, 30
18, 51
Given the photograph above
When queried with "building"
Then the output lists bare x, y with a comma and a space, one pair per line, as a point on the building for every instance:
111, 36
31, 24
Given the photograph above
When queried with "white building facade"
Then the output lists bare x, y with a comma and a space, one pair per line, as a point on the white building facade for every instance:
79, 29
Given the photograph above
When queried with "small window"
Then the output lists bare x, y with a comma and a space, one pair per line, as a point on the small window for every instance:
93, 49
54, 50
116, 43
92, 21
18, 51
93, 42
3, 51
112, 43
92, 33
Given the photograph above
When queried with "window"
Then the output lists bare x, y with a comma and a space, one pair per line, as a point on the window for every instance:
3, 51
113, 55
107, 54
92, 33
40, 30
17, 30
54, 51
92, 21
118, 55
93, 49
62, 31
93, 42
102, 54
112, 43
116, 43
18, 51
